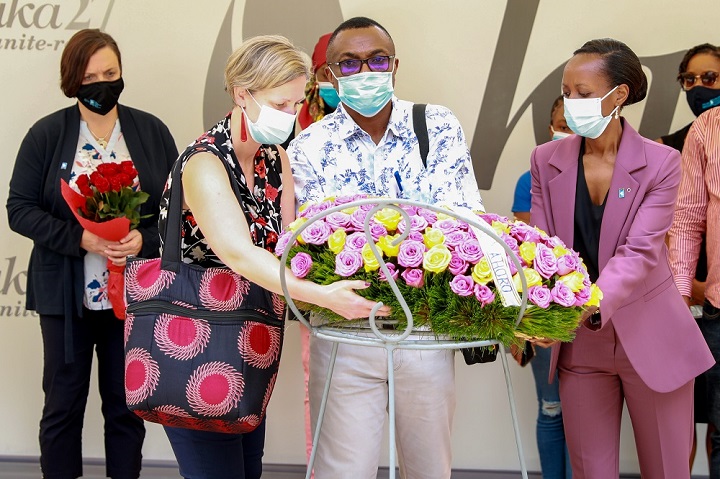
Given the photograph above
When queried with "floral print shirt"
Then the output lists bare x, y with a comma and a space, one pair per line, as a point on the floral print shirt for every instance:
335, 156
261, 205
88, 156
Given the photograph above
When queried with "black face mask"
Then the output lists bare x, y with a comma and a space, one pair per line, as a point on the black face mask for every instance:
101, 97
702, 98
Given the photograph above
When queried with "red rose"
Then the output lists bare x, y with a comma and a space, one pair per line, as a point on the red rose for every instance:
108, 169
101, 183
128, 168
124, 179
115, 183
271, 192
83, 184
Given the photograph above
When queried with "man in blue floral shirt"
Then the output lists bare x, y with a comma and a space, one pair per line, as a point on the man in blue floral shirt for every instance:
368, 146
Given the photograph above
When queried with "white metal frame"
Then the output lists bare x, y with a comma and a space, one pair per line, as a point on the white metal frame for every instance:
350, 335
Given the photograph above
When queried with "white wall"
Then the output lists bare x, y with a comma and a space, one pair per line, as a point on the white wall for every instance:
445, 49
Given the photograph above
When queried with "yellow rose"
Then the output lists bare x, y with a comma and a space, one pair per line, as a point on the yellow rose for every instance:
388, 217
371, 262
437, 259
351, 210
294, 227
330, 199
573, 280
500, 227
433, 237
527, 252
336, 241
481, 272
595, 296
532, 278
443, 216
559, 251
385, 244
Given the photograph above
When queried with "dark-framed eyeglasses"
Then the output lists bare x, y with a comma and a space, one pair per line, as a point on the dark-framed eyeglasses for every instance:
378, 63
688, 80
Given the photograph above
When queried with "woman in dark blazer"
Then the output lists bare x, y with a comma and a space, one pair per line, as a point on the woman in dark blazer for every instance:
67, 274
610, 193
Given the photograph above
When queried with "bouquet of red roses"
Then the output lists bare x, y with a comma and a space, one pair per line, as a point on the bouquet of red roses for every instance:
108, 207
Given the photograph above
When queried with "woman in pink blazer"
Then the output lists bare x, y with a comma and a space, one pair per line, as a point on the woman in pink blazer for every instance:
610, 193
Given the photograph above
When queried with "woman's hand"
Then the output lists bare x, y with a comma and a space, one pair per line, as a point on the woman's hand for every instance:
544, 343
130, 245
92, 243
340, 297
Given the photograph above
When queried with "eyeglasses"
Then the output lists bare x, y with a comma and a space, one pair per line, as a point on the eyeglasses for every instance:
687, 80
378, 63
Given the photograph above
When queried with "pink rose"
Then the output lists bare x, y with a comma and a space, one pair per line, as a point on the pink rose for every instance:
429, 216
414, 277
417, 223
582, 296
462, 285
337, 220
545, 262
456, 238
539, 296
415, 236
282, 242
357, 218
301, 264
563, 295
355, 241
524, 233
347, 262
567, 264
484, 294
411, 254
393, 272
470, 251
457, 264
377, 230
316, 233
447, 225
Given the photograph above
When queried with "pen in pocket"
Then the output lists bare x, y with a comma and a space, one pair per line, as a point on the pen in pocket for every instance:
399, 182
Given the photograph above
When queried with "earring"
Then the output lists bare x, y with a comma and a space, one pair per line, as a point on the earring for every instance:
617, 114
243, 129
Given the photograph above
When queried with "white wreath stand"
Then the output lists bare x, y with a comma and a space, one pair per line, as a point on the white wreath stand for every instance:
353, 335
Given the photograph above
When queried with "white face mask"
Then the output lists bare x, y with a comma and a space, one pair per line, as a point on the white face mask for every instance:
272, 126
558, 135
584, 115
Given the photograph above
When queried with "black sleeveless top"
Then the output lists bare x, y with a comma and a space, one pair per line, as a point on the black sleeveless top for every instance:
261, 206
588, 220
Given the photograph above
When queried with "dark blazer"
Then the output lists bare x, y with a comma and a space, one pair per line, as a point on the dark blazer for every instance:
651, 320
36, 208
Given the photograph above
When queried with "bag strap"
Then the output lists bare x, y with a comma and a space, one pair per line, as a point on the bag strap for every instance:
171, 245
420, 128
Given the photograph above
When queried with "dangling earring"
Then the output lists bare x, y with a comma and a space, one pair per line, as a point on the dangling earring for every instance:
243, 130
617, 113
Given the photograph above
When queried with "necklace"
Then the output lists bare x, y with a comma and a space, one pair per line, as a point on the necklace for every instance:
102, 139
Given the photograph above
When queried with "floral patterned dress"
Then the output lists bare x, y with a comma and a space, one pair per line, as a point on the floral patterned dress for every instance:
261, 205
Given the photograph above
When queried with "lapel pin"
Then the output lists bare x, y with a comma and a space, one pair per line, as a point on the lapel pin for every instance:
621, 193
63, 165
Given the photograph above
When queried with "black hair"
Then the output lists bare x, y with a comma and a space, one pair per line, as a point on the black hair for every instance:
556, 104
355, 23
696, 50
621, 66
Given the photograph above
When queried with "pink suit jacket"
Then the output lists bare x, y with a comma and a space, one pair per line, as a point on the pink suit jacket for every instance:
650, 318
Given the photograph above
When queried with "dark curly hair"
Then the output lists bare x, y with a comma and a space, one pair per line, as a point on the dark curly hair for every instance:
621, 66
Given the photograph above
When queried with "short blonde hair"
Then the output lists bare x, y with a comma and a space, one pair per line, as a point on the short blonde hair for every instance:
265, 61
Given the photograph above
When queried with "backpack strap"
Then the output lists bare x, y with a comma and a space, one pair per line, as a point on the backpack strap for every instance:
420, 128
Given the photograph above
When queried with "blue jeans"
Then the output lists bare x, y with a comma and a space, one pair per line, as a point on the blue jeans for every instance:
216, 455
554, 458
710, 328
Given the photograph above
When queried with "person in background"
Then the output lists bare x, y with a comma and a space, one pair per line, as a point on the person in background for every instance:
368, 146
642, 347
698, 77
265, 77
697, 215
558, 130
554, 458
67, 275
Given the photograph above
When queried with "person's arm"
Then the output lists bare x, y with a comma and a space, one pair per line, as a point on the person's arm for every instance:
537, 209
641, 250
26, 214
451, 174
522, 201
689, 221
287, 202
221, 219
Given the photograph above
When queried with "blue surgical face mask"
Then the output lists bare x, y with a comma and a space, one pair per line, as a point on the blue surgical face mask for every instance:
367, 92
584, 115
272, 126
558, 135
328, 94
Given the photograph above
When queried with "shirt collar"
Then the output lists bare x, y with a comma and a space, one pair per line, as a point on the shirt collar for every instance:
398, 123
